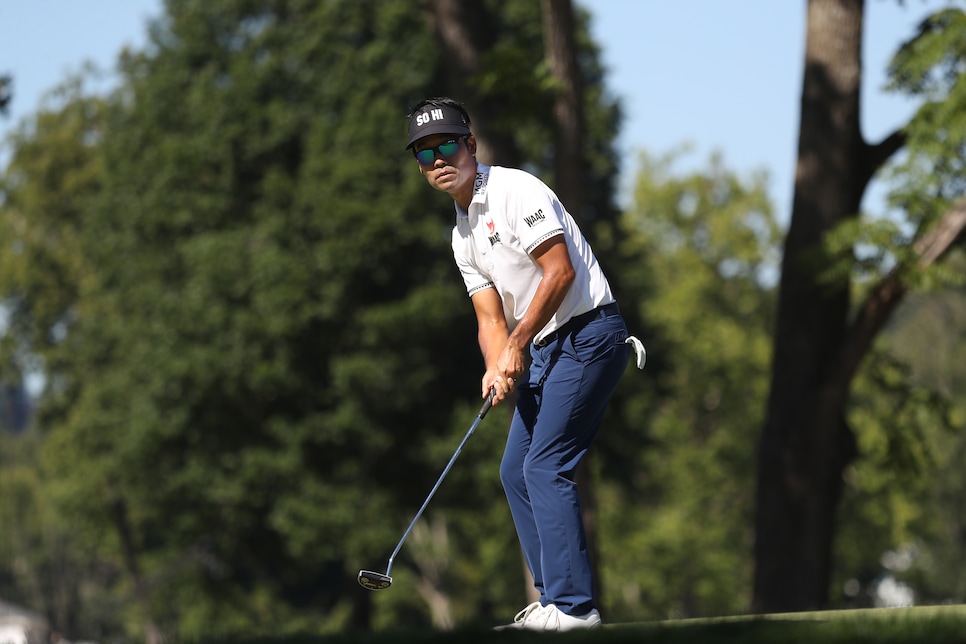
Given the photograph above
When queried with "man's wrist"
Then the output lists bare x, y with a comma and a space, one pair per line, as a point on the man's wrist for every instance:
516, 342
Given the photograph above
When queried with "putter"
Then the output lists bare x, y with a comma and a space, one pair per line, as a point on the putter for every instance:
379, 581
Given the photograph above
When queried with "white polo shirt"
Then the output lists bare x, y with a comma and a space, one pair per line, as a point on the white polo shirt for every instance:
512, 213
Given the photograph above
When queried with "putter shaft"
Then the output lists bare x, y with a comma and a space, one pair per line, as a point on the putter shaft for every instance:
376, 581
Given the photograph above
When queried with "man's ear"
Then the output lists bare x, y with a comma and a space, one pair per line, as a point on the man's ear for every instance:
471, 144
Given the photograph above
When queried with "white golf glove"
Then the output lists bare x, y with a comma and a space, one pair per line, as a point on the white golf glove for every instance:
639, 352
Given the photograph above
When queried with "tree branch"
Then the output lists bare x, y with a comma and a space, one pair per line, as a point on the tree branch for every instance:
465, 33
6, 93
875, 156
889, 292
933, 246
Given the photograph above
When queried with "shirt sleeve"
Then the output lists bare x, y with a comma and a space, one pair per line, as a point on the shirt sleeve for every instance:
533, 212
474, 279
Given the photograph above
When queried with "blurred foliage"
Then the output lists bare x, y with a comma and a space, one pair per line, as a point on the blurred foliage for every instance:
700, 250
903, 511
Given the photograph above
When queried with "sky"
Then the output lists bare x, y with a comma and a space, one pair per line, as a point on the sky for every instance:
715, 75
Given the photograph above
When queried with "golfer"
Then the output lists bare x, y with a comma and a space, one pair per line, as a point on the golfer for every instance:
537, 289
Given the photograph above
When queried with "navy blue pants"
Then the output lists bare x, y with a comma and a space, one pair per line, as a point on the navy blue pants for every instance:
558, 412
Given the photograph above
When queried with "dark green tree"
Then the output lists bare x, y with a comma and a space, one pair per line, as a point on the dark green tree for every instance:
52, 182
259, 354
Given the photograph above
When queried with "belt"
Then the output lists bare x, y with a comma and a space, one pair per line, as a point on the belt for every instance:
580, 321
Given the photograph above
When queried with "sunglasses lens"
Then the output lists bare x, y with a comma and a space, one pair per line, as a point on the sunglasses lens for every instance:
449, 148
426, 157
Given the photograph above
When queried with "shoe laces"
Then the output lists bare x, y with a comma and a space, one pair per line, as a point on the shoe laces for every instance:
531, 612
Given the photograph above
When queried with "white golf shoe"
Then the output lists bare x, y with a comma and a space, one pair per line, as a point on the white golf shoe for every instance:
537, 617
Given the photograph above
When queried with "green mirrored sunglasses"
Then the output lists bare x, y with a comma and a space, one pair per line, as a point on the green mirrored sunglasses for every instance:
446, 149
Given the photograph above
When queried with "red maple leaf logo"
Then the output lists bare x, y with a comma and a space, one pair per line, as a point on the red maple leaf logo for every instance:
490, 225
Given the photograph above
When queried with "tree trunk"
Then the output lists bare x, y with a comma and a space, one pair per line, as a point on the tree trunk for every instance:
560, 48
152, 634
806, 443
561, 52
464, 32
430, 551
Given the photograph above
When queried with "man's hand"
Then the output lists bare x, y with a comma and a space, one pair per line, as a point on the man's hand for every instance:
493, 335
504, 376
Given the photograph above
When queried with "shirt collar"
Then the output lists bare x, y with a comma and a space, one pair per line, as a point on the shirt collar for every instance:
480, 184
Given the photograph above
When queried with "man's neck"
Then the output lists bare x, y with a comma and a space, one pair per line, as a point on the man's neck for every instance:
464, 196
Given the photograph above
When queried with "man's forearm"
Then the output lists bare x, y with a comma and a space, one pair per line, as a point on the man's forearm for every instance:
550, 294
493, 339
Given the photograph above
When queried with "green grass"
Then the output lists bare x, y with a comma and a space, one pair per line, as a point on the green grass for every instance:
885, 625
945, 624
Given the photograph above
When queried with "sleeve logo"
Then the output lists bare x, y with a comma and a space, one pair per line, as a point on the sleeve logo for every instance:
535, 218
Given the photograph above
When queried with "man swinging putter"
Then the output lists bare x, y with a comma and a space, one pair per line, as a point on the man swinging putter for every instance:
536, 288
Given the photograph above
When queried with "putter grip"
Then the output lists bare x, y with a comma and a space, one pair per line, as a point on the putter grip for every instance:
487, 404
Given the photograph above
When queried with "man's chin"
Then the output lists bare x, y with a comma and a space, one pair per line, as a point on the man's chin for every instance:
445, 184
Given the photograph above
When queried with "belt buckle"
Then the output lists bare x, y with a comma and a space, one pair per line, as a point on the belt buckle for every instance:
550, 337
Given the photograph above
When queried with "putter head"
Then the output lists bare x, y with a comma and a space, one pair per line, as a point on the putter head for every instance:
374, 580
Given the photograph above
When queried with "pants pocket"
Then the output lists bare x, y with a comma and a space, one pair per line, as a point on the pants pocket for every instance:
598, 340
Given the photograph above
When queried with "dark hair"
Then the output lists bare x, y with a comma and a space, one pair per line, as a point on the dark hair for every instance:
441, 101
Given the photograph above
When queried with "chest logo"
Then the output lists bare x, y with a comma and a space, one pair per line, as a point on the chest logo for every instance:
492, 235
